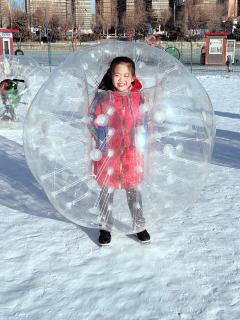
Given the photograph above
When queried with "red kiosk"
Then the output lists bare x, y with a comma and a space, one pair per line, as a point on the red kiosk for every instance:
216, 48
6, 41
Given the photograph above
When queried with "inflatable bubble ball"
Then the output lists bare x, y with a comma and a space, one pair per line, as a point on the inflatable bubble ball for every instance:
120, 160
20, 79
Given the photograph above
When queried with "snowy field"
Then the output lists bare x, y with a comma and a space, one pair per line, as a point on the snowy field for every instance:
52, 269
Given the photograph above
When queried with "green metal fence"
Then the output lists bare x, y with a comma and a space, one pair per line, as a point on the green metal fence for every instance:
189, 53
192, 54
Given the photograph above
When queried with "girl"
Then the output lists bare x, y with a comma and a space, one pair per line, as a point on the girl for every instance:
10, 98
113, 124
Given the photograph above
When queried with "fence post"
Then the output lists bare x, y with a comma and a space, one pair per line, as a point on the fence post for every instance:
48, 40
191, 54
181, 52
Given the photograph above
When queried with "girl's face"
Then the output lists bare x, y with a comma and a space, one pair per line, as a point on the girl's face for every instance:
122, 77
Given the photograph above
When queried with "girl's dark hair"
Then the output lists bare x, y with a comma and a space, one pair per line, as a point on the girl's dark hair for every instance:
106, 83
7, 83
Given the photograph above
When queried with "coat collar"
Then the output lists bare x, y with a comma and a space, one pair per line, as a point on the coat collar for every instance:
136, 85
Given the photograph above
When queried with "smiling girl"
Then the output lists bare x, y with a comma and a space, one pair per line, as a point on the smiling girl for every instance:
114, 125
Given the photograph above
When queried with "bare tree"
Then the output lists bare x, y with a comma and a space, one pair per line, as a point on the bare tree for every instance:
140, 11
164, 17
136, 19
199, 15
115, 18
213, 16
100, 18
129, 21
107, 17
37, 18
4, 13
19, 20
55, 27
195, 14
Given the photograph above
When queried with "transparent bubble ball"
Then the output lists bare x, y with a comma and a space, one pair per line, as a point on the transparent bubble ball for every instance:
27, 69
169, 159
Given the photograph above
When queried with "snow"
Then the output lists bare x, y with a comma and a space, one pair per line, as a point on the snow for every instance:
53, 269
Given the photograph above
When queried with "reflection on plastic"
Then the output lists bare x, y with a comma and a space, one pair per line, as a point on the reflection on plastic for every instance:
83, 151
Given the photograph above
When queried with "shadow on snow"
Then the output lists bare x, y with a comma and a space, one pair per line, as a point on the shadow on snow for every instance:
227, 115
226, 150
20, 191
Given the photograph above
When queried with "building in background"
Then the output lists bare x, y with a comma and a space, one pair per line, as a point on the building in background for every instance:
5, 14
156, 6
62, 9
233, 8
106, 11
75, 13
121, 14
159, 7
82, 14
31, 6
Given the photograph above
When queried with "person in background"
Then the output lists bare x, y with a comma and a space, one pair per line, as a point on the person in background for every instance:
229, 63
10, 98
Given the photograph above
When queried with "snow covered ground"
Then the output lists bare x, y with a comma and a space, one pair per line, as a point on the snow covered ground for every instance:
52, 269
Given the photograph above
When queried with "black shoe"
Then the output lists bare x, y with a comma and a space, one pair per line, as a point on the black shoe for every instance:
104, 238
143, 236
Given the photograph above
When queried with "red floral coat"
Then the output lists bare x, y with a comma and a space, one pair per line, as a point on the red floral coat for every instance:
115, 120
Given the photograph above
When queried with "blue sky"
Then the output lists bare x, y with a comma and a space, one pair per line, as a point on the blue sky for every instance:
21, 4
93, 5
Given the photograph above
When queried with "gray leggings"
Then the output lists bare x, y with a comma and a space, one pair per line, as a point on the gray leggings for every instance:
8, 114
134, 200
